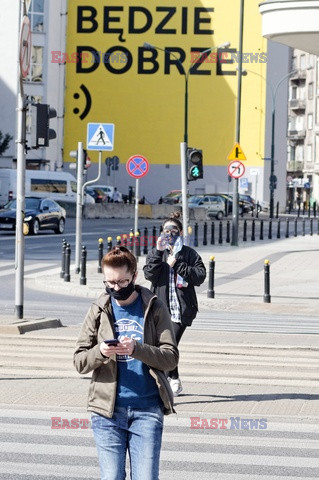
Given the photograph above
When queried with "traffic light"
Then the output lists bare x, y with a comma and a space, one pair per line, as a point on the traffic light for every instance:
41, 132
194, 162
111, 162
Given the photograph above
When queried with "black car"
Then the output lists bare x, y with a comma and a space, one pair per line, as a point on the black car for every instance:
39, 214
97, 193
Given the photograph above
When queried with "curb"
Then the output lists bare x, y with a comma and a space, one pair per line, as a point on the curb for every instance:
24, 326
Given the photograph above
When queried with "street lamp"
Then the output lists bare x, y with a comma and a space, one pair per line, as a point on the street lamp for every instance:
184, 144
272, 177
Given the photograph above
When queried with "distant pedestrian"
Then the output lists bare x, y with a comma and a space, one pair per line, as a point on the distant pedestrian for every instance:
116, 196
127, 341
174, 270
160, 200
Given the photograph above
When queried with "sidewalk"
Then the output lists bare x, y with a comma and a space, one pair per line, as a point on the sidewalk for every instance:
239, 278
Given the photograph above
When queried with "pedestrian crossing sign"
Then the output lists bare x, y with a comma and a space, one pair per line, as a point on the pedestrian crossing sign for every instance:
100, 136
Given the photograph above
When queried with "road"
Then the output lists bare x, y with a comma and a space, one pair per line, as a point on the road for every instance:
241, 385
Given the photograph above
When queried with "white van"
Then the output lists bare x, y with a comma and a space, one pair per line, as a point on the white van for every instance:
59, 186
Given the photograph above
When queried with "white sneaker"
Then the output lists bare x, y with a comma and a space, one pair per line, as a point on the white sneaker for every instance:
176, 386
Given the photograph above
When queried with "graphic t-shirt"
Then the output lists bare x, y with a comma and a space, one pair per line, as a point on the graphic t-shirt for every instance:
135, 385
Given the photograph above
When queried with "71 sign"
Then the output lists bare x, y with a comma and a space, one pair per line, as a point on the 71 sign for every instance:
236, 169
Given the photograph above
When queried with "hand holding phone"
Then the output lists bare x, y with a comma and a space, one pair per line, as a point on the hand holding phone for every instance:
112, 341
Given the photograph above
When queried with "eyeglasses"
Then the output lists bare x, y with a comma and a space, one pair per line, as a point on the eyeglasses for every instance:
169, 230
119, 283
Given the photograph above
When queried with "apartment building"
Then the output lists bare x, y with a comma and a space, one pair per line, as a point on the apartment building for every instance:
303, 130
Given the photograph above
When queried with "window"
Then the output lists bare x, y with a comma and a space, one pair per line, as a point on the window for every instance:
292, 153
310, 91
36, 67
309, 153
293, 92
44, 185
73, 186
317, 110
310, 121
299, 122
299, 153
36, 15
317, 149
302, 62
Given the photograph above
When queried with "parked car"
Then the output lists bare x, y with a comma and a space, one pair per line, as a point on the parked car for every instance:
214, 203
108, 191
97, 193
173, 197
40, 214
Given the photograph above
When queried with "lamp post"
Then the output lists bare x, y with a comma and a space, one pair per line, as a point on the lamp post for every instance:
183, 145
272, 177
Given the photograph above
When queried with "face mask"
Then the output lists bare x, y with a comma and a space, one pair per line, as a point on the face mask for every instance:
171, 238
122, 293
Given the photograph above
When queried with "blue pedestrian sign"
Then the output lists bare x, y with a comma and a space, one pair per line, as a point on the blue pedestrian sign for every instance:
100, 136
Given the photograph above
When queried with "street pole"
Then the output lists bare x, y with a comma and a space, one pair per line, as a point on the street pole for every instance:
238, 113
19, 242
136, 213
79, 204
272, 164
183, 147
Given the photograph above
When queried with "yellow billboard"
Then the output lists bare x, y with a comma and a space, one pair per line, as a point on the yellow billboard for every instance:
162, 73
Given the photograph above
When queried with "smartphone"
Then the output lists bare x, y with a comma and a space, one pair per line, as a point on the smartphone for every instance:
112, 341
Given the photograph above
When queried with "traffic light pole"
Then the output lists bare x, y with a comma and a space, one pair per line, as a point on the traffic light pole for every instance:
79, 204
183, 147
235, 180
19, 242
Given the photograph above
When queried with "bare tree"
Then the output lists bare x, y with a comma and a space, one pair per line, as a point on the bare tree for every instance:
4, 142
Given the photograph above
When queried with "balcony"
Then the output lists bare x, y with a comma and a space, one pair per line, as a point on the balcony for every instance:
292, 22
296, 134
294, 166
297, 104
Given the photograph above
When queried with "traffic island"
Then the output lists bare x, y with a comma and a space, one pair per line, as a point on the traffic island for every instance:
12, 326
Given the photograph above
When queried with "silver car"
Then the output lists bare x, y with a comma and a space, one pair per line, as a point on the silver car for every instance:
214, 204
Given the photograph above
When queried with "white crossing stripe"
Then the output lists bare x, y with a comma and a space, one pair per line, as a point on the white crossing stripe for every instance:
29, 268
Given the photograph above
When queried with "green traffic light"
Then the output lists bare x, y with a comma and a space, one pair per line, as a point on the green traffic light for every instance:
195, 172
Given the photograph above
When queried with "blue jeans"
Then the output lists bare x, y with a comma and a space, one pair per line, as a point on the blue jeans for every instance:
130, 429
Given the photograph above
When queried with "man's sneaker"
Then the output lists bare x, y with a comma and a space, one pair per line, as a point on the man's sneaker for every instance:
176, 386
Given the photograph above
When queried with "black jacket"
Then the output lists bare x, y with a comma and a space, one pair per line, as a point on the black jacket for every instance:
189, 265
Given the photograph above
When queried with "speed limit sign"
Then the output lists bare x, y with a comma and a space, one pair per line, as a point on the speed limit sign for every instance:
236, 169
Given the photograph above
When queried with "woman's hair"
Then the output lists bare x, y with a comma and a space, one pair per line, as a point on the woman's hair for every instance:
119, 257
175, 218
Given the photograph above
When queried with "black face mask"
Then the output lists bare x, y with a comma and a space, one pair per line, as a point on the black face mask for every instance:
122, 293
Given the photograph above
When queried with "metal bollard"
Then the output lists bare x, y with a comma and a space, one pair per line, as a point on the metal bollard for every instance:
131, 241
212, 234
83, 265
295, 227
145, 247
245, 231
311, 226
118, 241
67, 276
287, 227
109, 244
270, 230
64, 244
125, 240
261, 234
211, 280
137, 244
100, 255
309, 210
220, 239
205, 234
253, 231
257, 210
154, 239
303, 227
228, 232
267, 297
277, 209
314, 209
196, 235
278, 228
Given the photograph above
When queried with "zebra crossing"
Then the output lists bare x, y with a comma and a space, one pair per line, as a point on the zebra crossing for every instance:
247, 412
30, 449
